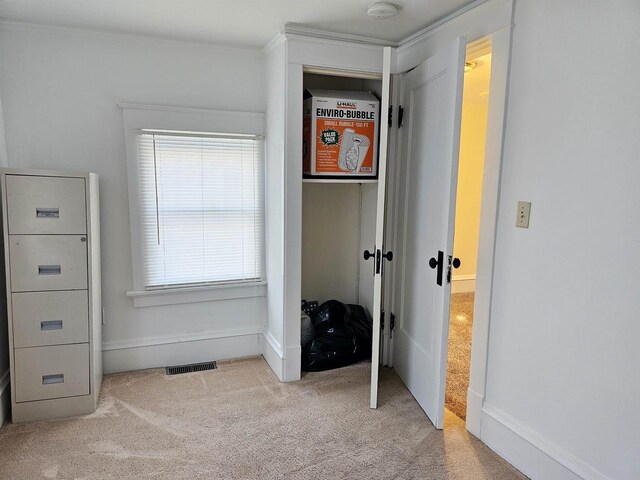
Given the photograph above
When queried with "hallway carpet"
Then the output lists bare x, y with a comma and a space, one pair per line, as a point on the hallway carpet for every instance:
459, 354
239, 422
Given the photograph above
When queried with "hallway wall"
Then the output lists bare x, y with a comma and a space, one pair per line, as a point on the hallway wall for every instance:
470, 169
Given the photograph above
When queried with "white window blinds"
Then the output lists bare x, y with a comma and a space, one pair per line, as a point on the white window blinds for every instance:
202, 208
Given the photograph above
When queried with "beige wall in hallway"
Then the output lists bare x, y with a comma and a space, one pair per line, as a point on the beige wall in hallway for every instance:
472, 142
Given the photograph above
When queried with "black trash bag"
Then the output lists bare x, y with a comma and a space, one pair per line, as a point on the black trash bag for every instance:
342, 337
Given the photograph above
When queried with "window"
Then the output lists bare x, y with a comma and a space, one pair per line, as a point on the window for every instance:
201, 208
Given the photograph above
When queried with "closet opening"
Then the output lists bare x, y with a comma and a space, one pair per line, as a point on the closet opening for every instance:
338, 220
473, 132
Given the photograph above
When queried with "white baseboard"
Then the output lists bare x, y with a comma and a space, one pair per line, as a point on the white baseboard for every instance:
5, 400
474, 412
164, 351
292, 363
274, 355
528, 451
286, 365
463, 284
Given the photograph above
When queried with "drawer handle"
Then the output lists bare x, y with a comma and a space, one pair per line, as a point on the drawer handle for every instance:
51, 325
49, 270
47, 212
53, 379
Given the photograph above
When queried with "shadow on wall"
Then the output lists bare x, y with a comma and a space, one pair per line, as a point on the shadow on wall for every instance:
4, 334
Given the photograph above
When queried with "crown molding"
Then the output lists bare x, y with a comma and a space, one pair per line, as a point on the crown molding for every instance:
294, 29
213, 47
273, 43
438, 25
302, 31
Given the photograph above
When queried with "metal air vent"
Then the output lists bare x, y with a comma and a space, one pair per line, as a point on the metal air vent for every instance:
192, 367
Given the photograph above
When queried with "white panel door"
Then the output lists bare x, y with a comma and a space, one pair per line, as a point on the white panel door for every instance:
432, 111
380, 255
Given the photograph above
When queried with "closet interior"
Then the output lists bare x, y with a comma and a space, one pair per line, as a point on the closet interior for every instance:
339, 218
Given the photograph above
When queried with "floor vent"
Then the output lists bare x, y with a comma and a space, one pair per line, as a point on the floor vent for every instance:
192, 367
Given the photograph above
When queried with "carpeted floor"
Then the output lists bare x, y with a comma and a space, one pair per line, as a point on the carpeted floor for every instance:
239, 422
459, 354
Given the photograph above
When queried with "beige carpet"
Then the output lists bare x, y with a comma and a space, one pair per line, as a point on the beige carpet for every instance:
459, 354
239, 422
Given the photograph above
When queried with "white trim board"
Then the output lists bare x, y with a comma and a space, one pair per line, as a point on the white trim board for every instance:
165, 117
463, 284
303, 31
273, 355
292, 368
5, 398
163, 351
172, 296
530, 452
169, 339
286, 371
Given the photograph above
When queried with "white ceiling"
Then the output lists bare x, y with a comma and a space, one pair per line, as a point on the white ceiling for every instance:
250, 23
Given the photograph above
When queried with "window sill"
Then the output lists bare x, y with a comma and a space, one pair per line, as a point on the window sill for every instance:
208, 293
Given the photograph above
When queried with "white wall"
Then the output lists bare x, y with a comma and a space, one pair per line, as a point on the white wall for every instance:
60, 91
563, 353
330, 241
338, 225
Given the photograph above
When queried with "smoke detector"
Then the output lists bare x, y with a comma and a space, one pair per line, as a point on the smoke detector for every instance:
382, 10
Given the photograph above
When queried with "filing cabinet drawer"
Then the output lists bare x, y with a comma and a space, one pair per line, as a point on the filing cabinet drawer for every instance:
50, 318
51, 372
48, 262
46, 205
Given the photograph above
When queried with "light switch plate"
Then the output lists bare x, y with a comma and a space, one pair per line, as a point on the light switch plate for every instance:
522, 219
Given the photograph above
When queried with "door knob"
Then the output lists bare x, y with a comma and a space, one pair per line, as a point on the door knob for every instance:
367, 255
456, 263
439, 264
388, 256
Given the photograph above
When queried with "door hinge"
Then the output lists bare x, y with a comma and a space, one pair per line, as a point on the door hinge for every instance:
382, 320
392, 324
400, 115
390, 115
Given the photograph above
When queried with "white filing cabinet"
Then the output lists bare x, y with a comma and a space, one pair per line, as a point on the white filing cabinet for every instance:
51, 256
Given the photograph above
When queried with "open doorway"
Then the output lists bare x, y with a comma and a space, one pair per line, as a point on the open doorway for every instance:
475, 106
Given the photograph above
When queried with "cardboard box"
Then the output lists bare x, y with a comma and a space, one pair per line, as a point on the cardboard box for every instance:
340, 134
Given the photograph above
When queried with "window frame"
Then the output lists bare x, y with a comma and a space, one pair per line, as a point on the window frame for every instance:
137, 118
